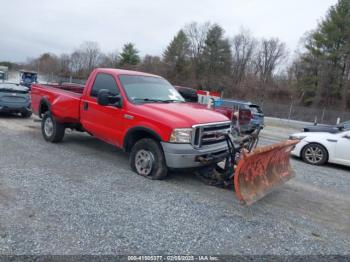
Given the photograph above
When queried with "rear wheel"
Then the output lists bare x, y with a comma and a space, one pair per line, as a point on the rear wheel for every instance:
147, 159
52, 130
26, 114
314, 154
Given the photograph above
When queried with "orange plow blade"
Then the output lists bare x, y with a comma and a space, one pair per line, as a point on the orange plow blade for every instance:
262, 170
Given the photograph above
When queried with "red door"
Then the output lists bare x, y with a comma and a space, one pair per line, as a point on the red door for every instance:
104, 122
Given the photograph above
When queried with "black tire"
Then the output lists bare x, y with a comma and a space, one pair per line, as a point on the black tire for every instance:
26, 114
56, 134
148, 149
314, 154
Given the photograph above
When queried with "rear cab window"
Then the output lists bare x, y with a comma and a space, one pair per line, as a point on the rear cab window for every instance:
255, 109
104, 81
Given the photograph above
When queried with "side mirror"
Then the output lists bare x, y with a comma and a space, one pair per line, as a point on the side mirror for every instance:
104, 98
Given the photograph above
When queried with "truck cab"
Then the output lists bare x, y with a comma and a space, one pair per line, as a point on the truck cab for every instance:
138, 112
27, 78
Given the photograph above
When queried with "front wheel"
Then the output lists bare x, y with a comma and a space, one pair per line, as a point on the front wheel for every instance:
147, 159
314, 154
52, 130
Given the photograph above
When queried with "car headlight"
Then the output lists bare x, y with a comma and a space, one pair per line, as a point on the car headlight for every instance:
181, 135
295, 137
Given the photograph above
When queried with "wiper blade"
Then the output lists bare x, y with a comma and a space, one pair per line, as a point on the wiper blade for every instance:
173, 100
156, 100
147, 100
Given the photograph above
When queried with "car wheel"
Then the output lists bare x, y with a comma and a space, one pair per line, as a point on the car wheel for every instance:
147, 159
52, 130
26, 114
314, 154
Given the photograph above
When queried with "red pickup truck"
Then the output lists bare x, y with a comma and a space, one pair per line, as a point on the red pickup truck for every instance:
138, 112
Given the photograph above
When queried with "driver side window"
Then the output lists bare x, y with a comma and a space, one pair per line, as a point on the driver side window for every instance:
104, 81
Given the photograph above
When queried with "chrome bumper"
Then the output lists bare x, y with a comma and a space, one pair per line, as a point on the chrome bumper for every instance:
186, 156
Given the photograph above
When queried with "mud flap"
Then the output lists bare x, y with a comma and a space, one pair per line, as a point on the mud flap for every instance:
262, 170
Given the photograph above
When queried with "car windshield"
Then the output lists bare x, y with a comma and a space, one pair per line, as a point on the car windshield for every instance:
148, 89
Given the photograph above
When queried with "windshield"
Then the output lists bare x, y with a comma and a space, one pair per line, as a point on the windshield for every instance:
148, 89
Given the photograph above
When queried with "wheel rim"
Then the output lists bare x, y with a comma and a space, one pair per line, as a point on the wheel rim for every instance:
48, 127
314, 154
144, 161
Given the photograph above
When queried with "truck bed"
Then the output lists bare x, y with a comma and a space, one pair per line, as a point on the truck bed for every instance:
65, 97
75, 88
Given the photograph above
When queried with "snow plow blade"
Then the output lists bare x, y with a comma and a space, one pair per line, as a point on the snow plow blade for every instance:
262, 170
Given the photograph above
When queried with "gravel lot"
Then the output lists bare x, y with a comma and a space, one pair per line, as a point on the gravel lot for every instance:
80, 197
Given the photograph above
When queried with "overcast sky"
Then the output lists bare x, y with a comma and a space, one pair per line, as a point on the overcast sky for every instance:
29, 28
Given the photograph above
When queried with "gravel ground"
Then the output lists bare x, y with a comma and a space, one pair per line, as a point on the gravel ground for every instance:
80, 197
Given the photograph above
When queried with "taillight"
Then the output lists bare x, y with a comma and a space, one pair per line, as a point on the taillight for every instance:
229, 114
244, 116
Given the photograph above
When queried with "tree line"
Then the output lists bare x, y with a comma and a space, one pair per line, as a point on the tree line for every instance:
202, 56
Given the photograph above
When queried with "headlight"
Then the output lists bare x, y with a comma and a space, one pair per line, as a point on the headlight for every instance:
181, 135
295, 137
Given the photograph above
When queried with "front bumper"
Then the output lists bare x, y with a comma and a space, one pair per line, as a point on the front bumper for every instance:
298, 148
186, 156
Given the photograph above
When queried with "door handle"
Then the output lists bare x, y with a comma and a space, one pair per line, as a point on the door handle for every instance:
86, 106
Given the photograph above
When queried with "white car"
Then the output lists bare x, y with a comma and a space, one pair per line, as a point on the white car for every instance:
318, 148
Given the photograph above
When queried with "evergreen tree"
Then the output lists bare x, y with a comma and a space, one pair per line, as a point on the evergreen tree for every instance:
328, 59
176, 58
129, 56
217, 59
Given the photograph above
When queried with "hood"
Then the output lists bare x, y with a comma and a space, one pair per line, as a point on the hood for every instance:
181, 114
311, 135
11, 87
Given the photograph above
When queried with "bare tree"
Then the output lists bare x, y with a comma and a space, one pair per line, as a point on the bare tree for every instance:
109, 60
48, 65
91, 53
243, 48
77, 62
64, 63
152, 64
271, 53
197, 35
85, 58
